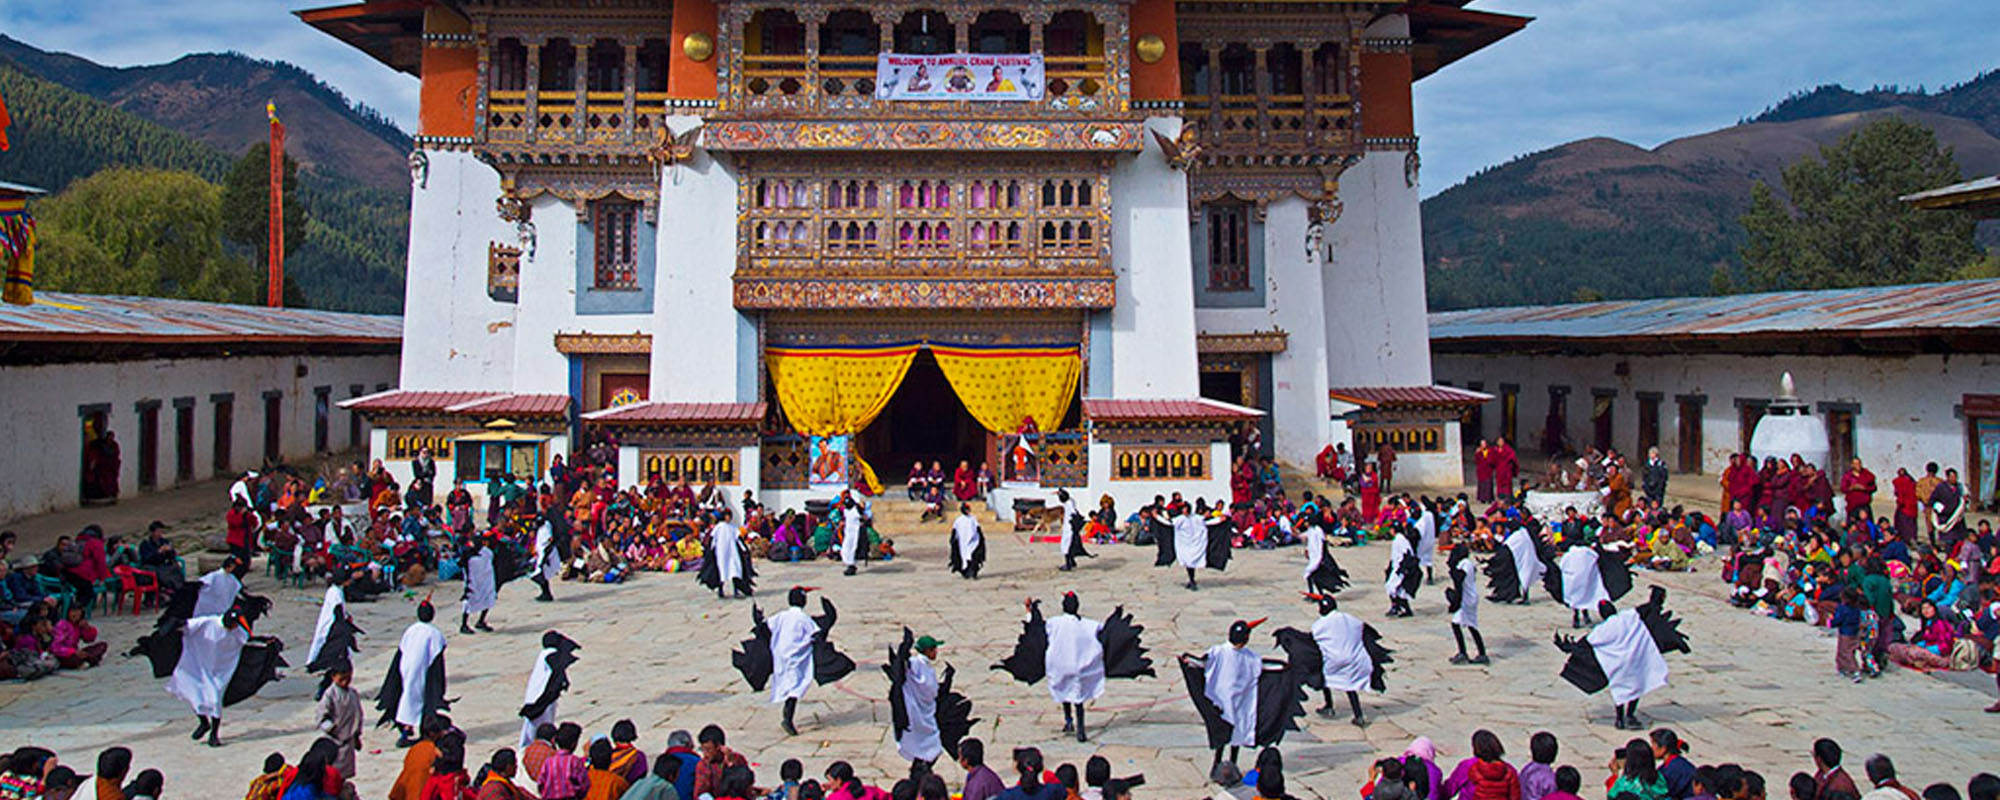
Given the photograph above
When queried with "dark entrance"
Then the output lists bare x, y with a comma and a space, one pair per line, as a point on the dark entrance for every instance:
925, 421
1224, 386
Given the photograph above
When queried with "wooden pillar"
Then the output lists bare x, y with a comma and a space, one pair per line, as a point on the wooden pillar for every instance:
631, 129
534, 89
1260, 76
580, 75
1213, 130
813, 89
1309, 108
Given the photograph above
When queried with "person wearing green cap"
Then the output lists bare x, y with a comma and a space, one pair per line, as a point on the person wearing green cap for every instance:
929, 718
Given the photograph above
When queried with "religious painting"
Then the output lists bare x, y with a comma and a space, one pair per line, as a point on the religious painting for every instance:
1020, 461
1985, 476
616, 389
829, 462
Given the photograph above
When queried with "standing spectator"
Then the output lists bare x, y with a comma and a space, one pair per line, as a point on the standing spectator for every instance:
241, 523
1538, 776
1857, 489
1847, 628
1654, 481
1905, 488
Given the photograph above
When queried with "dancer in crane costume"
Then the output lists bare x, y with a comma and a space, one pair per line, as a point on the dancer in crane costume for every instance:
1194, 543
546, 683
928, 718
214, 661
1405, 572
1072, 531
482, 586
1349, 656
1246, 700
1518, 565
1587, 576
545, 563
1463, 598
1323, 573
1076, 655
1625, 653
333, 633
1427, 538
791, 651
414, 688
968, 544
726, 565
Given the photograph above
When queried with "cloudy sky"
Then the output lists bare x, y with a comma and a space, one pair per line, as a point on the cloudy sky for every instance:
1644, 71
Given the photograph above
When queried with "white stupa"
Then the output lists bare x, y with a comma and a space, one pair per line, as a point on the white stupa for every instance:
1788, 428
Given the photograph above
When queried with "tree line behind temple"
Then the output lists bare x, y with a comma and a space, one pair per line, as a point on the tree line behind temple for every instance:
138, 208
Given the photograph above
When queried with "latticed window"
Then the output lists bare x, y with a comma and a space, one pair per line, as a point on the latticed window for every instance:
615, 224
1228, 247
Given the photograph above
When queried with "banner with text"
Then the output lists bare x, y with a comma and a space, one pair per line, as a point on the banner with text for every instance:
959, 76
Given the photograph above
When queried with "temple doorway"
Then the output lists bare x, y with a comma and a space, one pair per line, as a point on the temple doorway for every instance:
924, 421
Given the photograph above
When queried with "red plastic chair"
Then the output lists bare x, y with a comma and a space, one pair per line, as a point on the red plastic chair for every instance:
137, 585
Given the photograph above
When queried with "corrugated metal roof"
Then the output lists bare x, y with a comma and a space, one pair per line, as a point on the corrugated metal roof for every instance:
1372, 396
399, 400
656, 411
1103, 408
520, 405
1870, 311
63, 316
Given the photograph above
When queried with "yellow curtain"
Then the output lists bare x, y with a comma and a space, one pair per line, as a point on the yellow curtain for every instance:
830, 391
1002, 386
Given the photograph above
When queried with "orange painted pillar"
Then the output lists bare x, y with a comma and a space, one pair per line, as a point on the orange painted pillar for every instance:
1160, 80
450, 71
1385, 95
688, 79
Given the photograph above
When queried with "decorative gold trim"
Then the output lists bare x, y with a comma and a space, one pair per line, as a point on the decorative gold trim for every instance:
1272, 341
604, 343
1151, 48
698, 46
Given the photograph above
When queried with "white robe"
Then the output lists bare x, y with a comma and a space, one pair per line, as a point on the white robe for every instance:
481, 591
792, 632
1583, 586
1629, 656
209, 652
1074, 662
1468, 596
728, 554
548, 562
336, 599
1230, 682
920, 742
1399, 547
1427, 539
1315, 541
1190, 541
537, 681
1344, 661
850, 535
965, 530
1068, 529
1527, 558
218, 593
422, 643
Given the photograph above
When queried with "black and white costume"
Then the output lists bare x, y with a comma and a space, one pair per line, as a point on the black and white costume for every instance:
1349, 656
1463, 598
1076, 655
1196, 543
333, 635
1625, 653
1404, 573
927, 717
1323, 573
1246, 700
791, 651
414, 688
213, 661
546, 683
968, 544
482, 587
1072, 531
1518, 564
545, 563
725, 566
1587, 576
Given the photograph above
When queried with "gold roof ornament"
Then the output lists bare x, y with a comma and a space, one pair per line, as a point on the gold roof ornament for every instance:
698, 46
1151, 48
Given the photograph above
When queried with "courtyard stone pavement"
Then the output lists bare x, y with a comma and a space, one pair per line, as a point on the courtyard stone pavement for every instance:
656, 650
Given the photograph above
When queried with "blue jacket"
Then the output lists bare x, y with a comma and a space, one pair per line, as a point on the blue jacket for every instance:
1847, 620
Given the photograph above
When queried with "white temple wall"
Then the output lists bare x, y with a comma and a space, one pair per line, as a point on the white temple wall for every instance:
456, 337
1293, 298
699, 338
1376, 330
44, 419
1152, 326
1907, 416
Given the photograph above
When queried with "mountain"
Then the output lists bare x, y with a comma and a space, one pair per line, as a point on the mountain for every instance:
218, 99
1603, 218
73, 117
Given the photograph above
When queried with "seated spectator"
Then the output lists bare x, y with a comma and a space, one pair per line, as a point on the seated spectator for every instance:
74, 642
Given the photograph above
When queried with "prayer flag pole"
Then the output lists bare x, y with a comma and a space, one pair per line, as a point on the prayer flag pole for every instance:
274, 295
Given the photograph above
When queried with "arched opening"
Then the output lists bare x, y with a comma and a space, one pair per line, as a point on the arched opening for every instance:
774, 32
1329, 76
849, 32
1283, 63
606, 72
558, 67
1195, 80
1073, 34
1239, 71
998, 31
926, 33
653, 58
508, 67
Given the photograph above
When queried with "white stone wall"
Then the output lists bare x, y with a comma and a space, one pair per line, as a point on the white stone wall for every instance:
1376, 330
455, 337
1153, 325
1908, 403
698, 335
45, 430
1292, 302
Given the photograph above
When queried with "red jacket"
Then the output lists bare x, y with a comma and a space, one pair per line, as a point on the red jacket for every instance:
1494, 780
1858, 487
241, 525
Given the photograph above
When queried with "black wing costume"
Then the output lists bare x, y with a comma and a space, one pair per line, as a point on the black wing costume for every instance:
711, 572
1281, 692
1028, 663
1221, 534
753, 655
559, 663
1328, 577
1124, 653
963, 564
954, 710
1163, 539
334, 655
